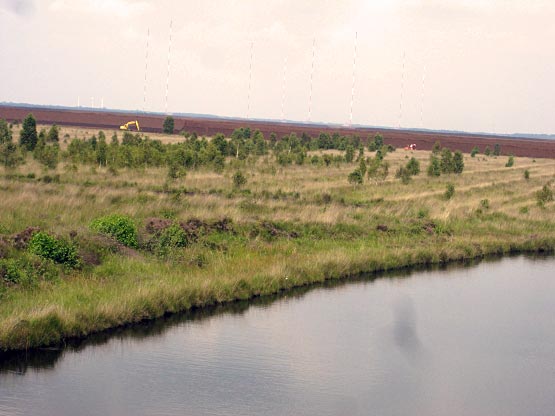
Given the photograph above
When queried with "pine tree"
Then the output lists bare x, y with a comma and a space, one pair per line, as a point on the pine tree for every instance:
458, 162
29, 137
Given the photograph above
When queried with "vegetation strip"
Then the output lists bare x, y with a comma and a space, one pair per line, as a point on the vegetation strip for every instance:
96, 235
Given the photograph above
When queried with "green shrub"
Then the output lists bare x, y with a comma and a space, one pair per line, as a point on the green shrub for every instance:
474, 151
239, 179
450, 191
10, 271
58, 250
510, 162
355, 177
173, 236
121, 227
434, 168
458, 162
413, 167
403, 174
526, 174
544, 195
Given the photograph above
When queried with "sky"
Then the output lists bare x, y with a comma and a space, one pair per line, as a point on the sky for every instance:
473, 65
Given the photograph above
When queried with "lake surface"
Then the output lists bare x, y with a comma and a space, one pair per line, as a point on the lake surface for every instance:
475, 340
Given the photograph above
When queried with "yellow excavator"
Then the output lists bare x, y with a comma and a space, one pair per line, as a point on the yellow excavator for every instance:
130, 123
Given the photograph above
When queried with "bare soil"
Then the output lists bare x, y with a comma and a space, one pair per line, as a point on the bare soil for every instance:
206, 126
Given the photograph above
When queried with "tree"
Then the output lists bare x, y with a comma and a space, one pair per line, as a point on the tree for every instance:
413, 166
487, 152
239, 179
5, 132
458, 162
474, 151
403, 174
349, 154
53, 134
496, 149
9, 156
446, 160
436, 148
355, 177
102, 152
362, 167
168, 125
28, 137
449, 191
434, 168
375, 144
377, 169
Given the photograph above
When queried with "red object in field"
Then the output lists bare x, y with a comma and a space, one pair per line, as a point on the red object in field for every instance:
411, 147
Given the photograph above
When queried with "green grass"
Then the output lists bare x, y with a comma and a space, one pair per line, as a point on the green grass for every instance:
290, 226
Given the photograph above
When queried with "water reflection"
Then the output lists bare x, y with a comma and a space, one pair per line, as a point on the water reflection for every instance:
459, 341
45, 358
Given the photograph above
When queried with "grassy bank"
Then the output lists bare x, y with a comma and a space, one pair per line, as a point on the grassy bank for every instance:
288, 225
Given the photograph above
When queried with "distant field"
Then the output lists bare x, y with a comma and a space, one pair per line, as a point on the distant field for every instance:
152, 122
288, 225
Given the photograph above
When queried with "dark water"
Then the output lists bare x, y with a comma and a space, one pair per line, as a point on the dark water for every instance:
476, 340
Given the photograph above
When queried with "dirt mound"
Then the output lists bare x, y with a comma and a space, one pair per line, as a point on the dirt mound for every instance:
156, 225
21, 240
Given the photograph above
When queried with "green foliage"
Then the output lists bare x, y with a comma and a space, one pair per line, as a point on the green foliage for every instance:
175, 171
376, 144
349, 154
5, 132
487, 152
53, 134
121, 227
239, 179
10, 271
436, 148
58, 250
362, 167
434, 168
403, 174
527, 174
28, 137
510, 162
484, 203
377, 169
474, 151
172, 237
355, 177
544, 195
446, 160
458, 162
449, 191
413, 167
48, 155
169, 124
496, 149
9, 155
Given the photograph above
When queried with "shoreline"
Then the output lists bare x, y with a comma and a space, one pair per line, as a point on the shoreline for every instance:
28, 336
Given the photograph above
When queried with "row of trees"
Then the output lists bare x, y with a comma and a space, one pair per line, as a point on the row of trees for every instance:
135, 150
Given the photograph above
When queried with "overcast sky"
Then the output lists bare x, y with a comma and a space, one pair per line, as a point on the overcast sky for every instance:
475, 65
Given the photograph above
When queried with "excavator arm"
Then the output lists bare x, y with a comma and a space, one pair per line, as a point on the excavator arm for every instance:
130, 123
